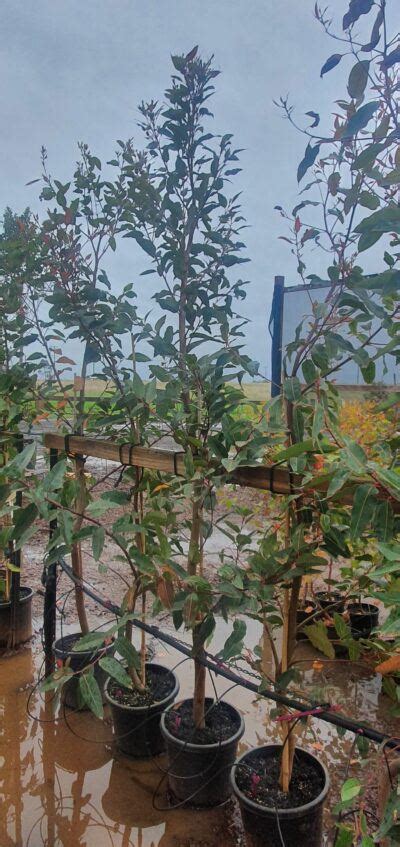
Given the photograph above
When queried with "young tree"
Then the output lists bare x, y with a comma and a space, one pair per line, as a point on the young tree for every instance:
192, 232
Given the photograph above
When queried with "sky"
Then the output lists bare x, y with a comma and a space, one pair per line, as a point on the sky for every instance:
77, 70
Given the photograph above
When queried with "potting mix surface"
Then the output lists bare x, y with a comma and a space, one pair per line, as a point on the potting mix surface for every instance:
220, 724
158, 687
258, 778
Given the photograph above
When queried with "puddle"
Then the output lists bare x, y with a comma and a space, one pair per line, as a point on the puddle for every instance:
62, 785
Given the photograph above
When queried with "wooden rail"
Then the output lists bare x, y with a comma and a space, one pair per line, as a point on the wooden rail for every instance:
278, 480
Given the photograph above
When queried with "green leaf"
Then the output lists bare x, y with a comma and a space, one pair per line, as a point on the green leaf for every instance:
90, 692
355, 457
310, 372
21, 460
295, 450
360, 119
390, 479
23, 519
55, 477
309, 158
368, 372
386, 219
368, 200
89, 642
337, 482
367, 240
364, 502
128, 652
356, 9
317, 634
350, 789
98, 538
331, 63
292, 389
234, 643
345, 837
114, 668
318, 421
358, 79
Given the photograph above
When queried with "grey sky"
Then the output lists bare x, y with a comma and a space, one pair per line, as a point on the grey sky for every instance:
76, 70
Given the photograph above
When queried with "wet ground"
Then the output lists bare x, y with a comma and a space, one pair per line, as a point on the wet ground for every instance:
63, 784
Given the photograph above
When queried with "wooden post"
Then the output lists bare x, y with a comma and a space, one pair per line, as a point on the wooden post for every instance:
50, 596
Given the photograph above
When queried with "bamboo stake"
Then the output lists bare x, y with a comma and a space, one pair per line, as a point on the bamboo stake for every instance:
284, 778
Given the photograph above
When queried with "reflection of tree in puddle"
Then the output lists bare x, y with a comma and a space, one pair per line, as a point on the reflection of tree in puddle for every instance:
16, 759
128, 801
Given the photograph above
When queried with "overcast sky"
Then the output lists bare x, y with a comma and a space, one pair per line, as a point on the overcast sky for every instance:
77, 69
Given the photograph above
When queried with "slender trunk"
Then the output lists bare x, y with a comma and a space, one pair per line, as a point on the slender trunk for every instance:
194, 558
199, 682
76, 552
138, 506
143, 643
137, 682
291, 601
284, 779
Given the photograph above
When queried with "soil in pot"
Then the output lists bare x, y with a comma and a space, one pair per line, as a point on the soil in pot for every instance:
332, 600
305, 609
271, 817
78, 661
136, 715
24, 618
200, 759
364, 617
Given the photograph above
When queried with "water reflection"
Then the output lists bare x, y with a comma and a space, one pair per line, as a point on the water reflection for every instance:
62, 785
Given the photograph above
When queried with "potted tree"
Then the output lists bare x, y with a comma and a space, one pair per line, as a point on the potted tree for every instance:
18, 372
102, 321
192, 233
281, 789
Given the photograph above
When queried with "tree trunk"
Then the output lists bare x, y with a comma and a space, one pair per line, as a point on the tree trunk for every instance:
76, 552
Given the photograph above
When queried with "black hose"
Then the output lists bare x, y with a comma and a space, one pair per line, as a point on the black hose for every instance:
213, 664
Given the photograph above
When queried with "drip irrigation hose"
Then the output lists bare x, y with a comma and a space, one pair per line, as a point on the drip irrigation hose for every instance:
215, 665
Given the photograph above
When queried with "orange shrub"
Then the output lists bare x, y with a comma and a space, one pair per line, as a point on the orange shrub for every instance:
360, 421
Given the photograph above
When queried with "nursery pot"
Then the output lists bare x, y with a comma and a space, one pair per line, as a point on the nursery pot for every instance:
137, 728
198, 774
364, 618
271, 826
78, 661
332, 600
23, 618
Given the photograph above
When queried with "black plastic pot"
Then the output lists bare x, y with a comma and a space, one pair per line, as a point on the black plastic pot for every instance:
364, 617
198, 774
137, 728
270, 826
23, 620
332, 600
302, 616
78, 661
